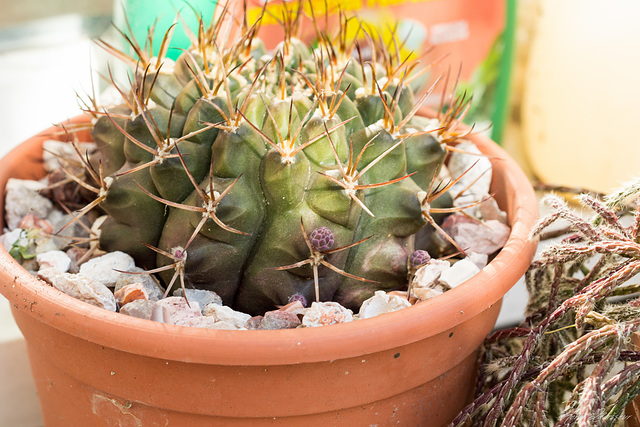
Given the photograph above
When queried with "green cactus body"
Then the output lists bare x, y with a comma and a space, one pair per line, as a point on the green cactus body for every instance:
124, 230
274, 156
166, 83
109, 141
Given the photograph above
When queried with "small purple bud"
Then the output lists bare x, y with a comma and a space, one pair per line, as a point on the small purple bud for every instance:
298, 297
321, 239
419, 258
179, 252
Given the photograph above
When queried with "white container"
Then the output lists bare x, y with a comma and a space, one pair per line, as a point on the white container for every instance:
580, 109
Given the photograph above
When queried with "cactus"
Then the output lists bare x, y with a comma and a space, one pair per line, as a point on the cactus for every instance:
220, 163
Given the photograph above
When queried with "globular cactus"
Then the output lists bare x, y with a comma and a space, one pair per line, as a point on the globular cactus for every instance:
300, 174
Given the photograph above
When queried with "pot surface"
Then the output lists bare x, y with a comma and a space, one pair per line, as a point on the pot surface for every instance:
414, 366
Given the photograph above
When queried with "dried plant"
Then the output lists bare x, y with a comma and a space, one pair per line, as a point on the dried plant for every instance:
570, 362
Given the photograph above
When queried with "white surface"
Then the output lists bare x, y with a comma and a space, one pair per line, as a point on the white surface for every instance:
39, 75
8, 329
580, 101
19, 405
513, 305
38, 85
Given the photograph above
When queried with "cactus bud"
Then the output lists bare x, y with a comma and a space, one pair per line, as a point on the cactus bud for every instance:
298, 297
419, 258
321, 239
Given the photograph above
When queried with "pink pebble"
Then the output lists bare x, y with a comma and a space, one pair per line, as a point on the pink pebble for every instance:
31, 221
278, 319
477, 236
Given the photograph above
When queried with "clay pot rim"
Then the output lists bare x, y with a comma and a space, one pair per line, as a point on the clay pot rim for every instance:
306, 345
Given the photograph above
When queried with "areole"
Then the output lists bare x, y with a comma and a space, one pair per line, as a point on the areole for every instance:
416, 365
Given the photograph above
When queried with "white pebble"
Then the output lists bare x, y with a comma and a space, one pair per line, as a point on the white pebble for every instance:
429, 274
175, 309
48, 274
206, 322
9, 238
141, 308
103, 269
22, 198
326, 313
223, 313
475, 236
480, 260
45, 244
54, 259
478, 177
59, 220
202, 296
381, 303
81, 288
424, 294
458, 273
489, 209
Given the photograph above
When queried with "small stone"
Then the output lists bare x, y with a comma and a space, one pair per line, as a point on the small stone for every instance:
223, 326
30, 221
401, 294
14, 237
103, 269
48, 274
429, 275
295, 307
150, 283
223, 313
45, 243
72, 227
458, 273
381, 303
202, 322
480, 260
424, 294
129, 293
279, 319
176, 309
140, 308
75, 254
54, 259
490, 210
254, 322
426, 282
474, 169
202, 296
326, 313
160, 314
82, 288
23, 198
476, 236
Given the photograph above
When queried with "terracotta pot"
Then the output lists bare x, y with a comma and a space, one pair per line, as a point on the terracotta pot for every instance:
413, 367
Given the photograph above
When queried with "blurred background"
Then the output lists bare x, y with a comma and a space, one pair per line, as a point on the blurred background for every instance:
562, 89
